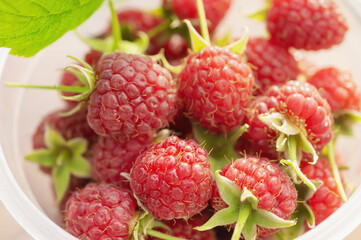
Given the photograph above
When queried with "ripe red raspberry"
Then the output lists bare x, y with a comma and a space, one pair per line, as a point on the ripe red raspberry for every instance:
272, 64
326, 200
338, 88
305, 107
173, 179
185, 229
261, 138
216, 87
187, 9
268, 182
112, 156
134, 95
69, 127
100, 211
306, 24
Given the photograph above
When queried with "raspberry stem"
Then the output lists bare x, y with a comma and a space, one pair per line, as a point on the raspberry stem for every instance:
162, 235
203, 21
117, 37
244, 212
72, 89
335, 172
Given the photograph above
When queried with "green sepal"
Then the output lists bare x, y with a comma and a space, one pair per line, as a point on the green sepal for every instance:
64, 157
43, 157
267, 219
228, 190
344, 121
240, 45
303, 214
335, 170
52, 138
61, 177
304, 193
197, 41
261, 14
250, 232
220, 148
292, 141
221, 218
161, 57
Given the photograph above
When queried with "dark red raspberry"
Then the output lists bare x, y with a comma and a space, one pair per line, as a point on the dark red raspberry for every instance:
326, 200
305, 107
185, 228
134, 95
261, 138
216, 87
338, 88
173, 179
93, 57
268, 182
306, 24
69, 127
187, 9
100, 211
112, 156
271, 64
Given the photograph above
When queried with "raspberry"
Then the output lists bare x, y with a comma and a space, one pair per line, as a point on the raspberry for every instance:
216, 88
173, 179
185, 229
93, 57
338, 88
112, 156
304, 105
272, 65
187, 9
326, 200
268, 183
100, 211
134, 95
69, 127
306, 24
174, 45
260, 137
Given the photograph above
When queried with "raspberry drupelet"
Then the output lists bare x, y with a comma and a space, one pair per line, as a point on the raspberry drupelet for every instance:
216, 88
134, 95
173, 179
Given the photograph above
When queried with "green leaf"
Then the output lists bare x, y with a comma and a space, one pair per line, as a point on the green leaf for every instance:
43, 157
61, 176
27, 26
79, 167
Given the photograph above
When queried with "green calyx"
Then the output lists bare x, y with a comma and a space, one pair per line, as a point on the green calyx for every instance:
292, 141
114, 42
261, 14
199, 42
64, 157
220, 148
304, 215
344, 121
142, 224
242, 210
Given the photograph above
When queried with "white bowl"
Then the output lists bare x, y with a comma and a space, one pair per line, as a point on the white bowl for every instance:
26, 192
